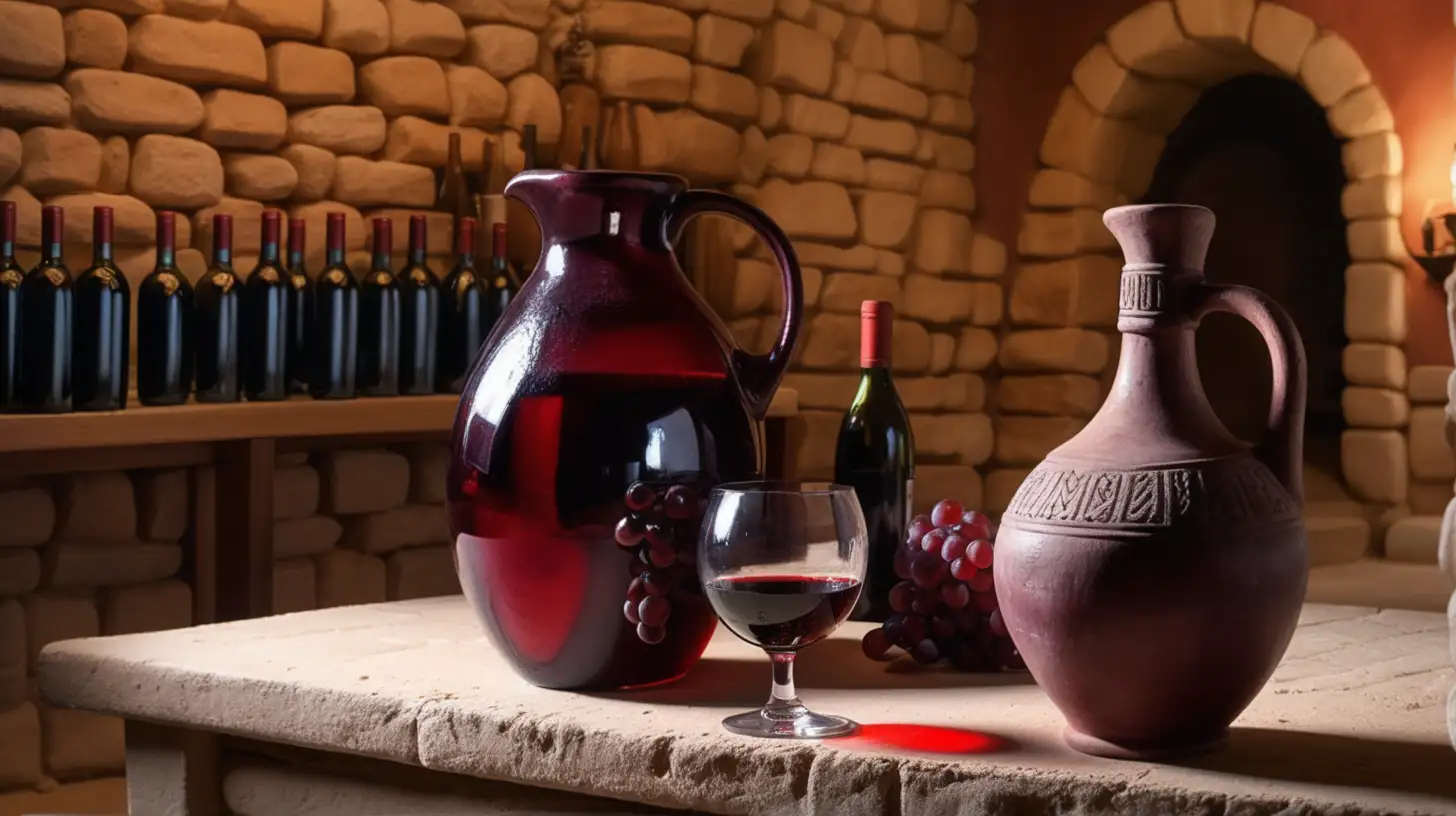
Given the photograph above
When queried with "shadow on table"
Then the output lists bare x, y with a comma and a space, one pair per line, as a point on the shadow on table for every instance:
1343, 761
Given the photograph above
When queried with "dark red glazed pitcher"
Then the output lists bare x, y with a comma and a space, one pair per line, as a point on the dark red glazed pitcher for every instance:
606, 403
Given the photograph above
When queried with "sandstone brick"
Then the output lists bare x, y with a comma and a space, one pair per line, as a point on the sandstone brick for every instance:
889, 262
724, 94
1376, 239
886, 218
880, 94
844, 292
1026, 440
1072, 350
425, 29
32, 40
309, 535
363, 183
1281, 36
83, 565
295, 492
721, 41
315, 215
504, 50
162, 504
936, 300
533, 101
1429, 383
1361, 113
533, 14
975, 349
881, 137
213, 53
630, 21
115, 165
406, 85
1366, 407
1076, 292
944, 72
951, 191
987, 256
817, 118
477, 99
1377, 197
294, 586
1049, 395
243, 120
96, 507
134, 222
794, 57
19, 571
855, 259
902, 58
94, 38
1331, 69
643, 74
297, 19
1375, 303
812, 209
1374, 463
20, 763
753, 157
414, 140
1378, 154
30, 516
344, 577
339, 128
170, 171
941, 243
122, 102
421, 572
1414, 539
862, 43
24, 103
770, 108
429, 465
13, 655
1374, 364
830, 391
363, 480
1001, 487
824, 20
53, 617
79, 744
894, 176
201, 10
1430, 453
359, 27
27, 211
951, 113
11, 155
986, 304
942, 352
412, 525
303, 74
247, 225
59, 160
967, 437
754, 283
962, 33
258, 176
150, 607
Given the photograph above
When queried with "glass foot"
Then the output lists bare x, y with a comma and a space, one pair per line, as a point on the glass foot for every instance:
797, 723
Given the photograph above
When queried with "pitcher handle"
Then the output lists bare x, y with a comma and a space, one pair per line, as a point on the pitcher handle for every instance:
758, 374
1282, 448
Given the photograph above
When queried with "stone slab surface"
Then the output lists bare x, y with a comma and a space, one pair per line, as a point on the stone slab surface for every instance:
1353, 722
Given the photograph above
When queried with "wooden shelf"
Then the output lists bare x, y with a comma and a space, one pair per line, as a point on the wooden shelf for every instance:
294, 418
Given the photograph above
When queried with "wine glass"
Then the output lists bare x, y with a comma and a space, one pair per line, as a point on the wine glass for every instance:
782, 563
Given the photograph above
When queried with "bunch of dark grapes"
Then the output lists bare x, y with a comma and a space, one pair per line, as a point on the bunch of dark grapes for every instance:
660, 530
945, 604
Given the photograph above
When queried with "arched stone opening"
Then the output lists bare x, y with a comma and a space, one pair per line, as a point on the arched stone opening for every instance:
1104, 144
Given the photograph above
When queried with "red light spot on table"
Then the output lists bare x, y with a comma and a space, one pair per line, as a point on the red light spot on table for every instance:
925, 739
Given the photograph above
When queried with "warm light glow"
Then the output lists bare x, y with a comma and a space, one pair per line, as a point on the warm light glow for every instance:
1453, 177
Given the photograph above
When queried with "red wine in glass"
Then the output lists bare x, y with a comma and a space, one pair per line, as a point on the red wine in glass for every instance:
783, 612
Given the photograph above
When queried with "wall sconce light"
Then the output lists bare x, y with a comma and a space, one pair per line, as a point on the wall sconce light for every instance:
1439, 267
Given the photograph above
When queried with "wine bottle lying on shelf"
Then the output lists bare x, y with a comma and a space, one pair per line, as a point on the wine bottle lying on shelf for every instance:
165, 311
101, 340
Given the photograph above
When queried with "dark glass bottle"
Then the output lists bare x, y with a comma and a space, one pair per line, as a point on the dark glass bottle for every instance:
333, 343
265, 319
454, 194
218, 306
45, 324
875, 455
463, 323
419, 299
164, 324
11, 276
528, 147
300, 314
101, 343
378, 373
502, 286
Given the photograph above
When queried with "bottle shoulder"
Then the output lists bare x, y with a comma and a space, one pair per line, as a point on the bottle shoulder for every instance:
166, 282
105, 276
55, 276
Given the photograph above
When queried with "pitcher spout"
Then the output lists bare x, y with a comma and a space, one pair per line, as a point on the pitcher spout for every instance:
572, 205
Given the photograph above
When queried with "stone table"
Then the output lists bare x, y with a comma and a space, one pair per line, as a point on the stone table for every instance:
1354, 721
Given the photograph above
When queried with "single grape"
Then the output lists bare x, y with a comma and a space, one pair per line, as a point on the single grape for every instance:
942, 627
925, 601
876, 644
962, 569
927, 570
917, 530
913, 628
980, 551
983, 581
978, 520
925, 652
998, 624
640, 496
953, 548
659, 535
894, 628
651, 635
955, 594
679, 503
902, 565
636, 591
933, 541
656, 582
629, 531
985, 602
946, 513
901, 595
662, 556
654, 610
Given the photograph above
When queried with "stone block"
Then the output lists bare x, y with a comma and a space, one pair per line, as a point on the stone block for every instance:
812, 209
503, 50
1361, 113
1375, 465
952, 113
1378, 197
533, 101
630, 21
1076, 292
360, 182
309, 535
882, 95
70, 565
344, 129
754, 282
533, 14
477, 99
1414, 539
790, 155
911, 347
59, 160
902, 58
1001, 487
115, 165
32, 40
27, 212
828, 391
752, 162
122, 102
988, 257
986, 304
962, 32
942, 352
24, 103
29, 514
724, 94
413, 525
1430, 453
345, 577
810, 443
1429, 498
882, 137
936, 300
863, 44
406, 85
13, 654
174, 172
363, 481
19, 571
151, 607
721, 41
1071, 395
259, 176
202, 10
1365, 407
770, 108
794, 57
643, 74
951, 191
20, 762
1375, 303
855, 259
208, 53
1428, 384
96, 507
953, 154
1374, 364
162, 504
975, 349
315, 169
52, 617
422, 572
413, 140
294, 586
80, 745
845, 292
1331, 69
943, 72
894, 176
1377, 239
967, 437
303, 74
429, 465
94, 38
11, 155
941, 241
934, 483
824, 20
425, 29
242, 120
247, 224
1281, 36
1070, 350
1026, 440
295, 19
315, 215
1378, 154
830, 341
885, 218
359, 27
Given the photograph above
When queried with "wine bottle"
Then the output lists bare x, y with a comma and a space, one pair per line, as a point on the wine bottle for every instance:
378, 373
10, 277
100, 358
588, 153
875, 455
419, 296
503, 284
454, 195
46, 309
528, 146
333, 343
164, 324
265, 320
300, 311
218, 308
463, 325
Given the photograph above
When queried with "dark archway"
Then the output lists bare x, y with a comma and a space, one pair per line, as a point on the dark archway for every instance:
1257, 150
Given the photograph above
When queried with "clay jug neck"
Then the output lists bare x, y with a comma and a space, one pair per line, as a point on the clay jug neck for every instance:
573, 206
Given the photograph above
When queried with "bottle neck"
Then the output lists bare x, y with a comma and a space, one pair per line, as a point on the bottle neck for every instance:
268, 254
381, 260
101, 253
295, 259
7, 252
335, 257
166, 257
222, 257
416, 255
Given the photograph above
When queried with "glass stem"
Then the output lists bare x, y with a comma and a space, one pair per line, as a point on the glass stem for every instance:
783, 702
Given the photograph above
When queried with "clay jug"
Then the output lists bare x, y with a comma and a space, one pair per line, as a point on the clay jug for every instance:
1151, 571
606, 403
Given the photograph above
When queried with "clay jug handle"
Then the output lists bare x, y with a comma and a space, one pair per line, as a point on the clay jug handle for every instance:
758, 374
1282, 448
